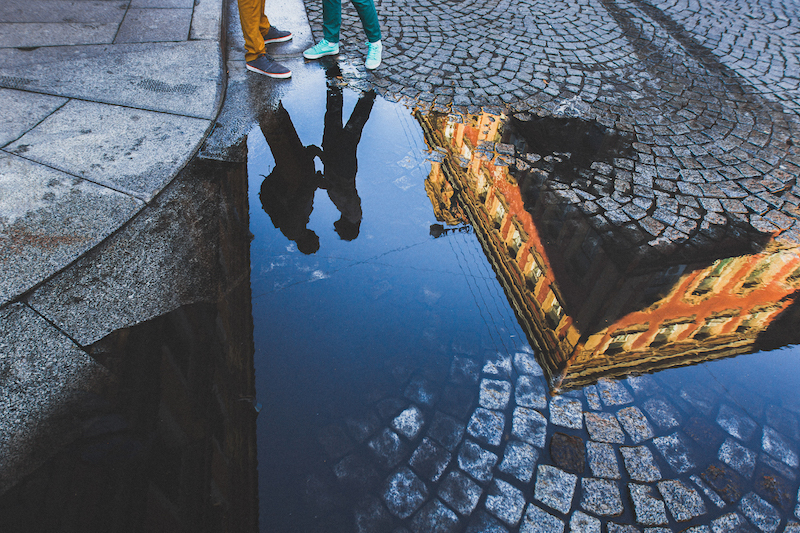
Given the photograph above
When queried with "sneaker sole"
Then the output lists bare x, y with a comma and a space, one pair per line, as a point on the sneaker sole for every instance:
317, 56
277, 75
278, 39
372, 68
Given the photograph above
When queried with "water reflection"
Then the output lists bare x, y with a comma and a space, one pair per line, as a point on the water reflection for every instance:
593, 312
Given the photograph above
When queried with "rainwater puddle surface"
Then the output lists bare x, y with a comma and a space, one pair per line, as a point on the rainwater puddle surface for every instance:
411, 326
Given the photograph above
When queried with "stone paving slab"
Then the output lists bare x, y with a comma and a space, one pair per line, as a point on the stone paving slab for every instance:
22, 111
156, 263
64, 11
132, 75
152, 25
32, 34
138, 154
49, 219
49, 387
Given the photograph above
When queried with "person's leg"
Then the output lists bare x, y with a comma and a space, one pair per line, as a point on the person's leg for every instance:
369, 19
251, 13
263, 23
331, 20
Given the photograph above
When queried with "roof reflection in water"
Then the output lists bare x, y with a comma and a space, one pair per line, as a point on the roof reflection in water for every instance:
605, 291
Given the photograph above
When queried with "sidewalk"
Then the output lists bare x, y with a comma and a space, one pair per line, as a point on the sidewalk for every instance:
104, 104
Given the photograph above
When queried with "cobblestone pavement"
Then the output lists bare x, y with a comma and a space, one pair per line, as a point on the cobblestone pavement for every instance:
702, 94
643, 454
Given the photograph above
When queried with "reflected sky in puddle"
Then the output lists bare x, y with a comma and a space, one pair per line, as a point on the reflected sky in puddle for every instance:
393, 351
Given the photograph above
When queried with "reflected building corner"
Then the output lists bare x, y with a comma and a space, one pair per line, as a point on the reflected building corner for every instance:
598, 299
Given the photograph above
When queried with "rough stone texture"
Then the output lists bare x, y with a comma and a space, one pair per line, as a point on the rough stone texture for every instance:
613, 392
779, 447
49, 388
736, 423
731, 523
640, 464
738, 457
429, 460
530, 392
506, 502
494, 394
537, 520
404, 493
708, 491
486, 426
674, 449
601, 497
435, 517
683, 502
476, 461
566, 412
48, 219
139, 155
525, 363
764, 516
22, 111
388, 448
529, 426
583, 523
460, 492
519, 460
635, 423
602, 460
555, 488
604, 427
662, 413
446, 430
727, 483
649, 509
409, 422
568, 452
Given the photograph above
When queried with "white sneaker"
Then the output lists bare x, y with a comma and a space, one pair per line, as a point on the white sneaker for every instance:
373, 55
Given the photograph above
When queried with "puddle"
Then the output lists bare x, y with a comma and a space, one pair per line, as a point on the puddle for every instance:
475, 355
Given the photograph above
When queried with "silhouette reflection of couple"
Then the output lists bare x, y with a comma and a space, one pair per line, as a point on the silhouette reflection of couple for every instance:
287, 194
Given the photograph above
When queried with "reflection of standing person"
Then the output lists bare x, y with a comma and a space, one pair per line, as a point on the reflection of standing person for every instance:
257, 33
339, 145
332, 23
287, 194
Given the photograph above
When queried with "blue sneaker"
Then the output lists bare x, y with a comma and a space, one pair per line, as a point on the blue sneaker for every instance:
274, 35
322, 48
373, 55
266, 65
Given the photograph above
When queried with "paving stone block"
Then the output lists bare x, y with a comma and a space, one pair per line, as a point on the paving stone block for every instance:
674, 448
568, 452
602, 460
388, 448
622, 528
464, 370
519, 460
792, 527
429, 460
583, 523
736, 423
404, 493
683, 502
779, 447
529, 426
764, 516
650, 511
604, 427
435, 517
731, 523
525, 363
566, 412
487, 426
506, 502
476, 461
593, 398
421, 391
728, 484
662, 413
555, 488
738, 457
498, 365
409, 422
708, 491
446, 430
640, 464
537, 520
530, 392
643, 385
362, 425
635, 423
460, 492
601, 497
494, 394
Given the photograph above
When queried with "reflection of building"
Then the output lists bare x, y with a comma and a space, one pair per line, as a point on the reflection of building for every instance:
170, 445
591, 313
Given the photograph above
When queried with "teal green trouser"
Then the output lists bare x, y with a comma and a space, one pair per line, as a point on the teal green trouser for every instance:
332, 19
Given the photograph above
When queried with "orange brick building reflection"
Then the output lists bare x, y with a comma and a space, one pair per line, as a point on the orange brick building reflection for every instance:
590, 316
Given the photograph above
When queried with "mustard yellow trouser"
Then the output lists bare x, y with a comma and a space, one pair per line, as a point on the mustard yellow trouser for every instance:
254, 26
